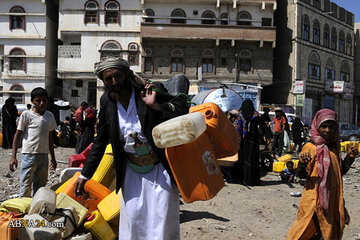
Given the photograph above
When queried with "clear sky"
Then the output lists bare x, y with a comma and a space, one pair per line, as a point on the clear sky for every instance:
351, 6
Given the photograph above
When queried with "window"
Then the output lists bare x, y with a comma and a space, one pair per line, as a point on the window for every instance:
110, 48
17, 61
224, 19
75, 93
333, 39
17, 21
178, 16
208, 17
112, 14
314, 66
326, 36
266, 21
19, 97
306, 28
345, 72
223, 61
317, 4
316, 32
148, 64
329, 74
348, 44
79, 83
342, 42
207, 65
245, 61
150, 14
133, 56
177, 60
244, 18
91, 12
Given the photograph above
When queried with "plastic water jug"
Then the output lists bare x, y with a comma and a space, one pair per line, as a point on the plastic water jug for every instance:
38, 229
109, 207
20, 204
44, 200
99, 228
64, 201
69, 217
179, 130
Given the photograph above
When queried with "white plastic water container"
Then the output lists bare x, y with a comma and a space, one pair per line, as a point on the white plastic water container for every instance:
68, 173
44, 199
38, 228
179, 130
69, 225
82, 237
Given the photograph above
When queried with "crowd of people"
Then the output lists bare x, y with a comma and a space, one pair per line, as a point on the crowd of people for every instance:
129, 110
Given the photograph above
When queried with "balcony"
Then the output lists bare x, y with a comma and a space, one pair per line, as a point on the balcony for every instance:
69, 51
207, 31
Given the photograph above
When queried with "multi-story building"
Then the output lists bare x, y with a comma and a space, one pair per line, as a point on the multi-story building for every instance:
314, 58
357, 73
23, 49
211, 42
89, 31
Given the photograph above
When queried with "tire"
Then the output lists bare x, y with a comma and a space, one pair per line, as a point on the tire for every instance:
353, 138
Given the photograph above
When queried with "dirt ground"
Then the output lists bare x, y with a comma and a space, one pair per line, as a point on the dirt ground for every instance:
237, 212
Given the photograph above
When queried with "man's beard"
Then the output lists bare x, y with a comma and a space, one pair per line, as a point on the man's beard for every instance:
116, 92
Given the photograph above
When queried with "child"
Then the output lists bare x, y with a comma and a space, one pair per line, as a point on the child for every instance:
288, 174
35, 127
322, 211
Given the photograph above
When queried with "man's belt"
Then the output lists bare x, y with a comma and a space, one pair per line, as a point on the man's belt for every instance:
144, 160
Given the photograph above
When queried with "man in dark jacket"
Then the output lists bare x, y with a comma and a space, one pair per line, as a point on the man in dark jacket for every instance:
128, 113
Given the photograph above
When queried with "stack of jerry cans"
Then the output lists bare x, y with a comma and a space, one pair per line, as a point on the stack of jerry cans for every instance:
223, 135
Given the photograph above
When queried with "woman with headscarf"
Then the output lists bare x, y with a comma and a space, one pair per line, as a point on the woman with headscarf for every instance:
9, 115
297, 129
248, 124
322, 211
87, 130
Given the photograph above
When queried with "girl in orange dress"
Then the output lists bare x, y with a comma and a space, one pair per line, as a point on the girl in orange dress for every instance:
322, 213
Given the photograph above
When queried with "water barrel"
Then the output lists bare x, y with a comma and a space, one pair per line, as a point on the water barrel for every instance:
226, 98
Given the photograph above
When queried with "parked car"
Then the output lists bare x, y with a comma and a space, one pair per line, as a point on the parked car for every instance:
349, 132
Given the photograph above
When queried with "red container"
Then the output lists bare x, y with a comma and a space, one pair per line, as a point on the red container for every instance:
8, 232
223, 135
195, 169
77, 159
94, 192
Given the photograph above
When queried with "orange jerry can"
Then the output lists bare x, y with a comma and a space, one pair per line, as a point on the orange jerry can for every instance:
94, 192
195, 169
223, 135
10, 230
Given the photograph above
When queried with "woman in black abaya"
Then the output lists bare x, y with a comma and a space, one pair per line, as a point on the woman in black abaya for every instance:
9, 115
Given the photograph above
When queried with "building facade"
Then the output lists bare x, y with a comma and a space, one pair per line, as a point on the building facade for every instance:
22, 48
89, 31
314, 58
211, 42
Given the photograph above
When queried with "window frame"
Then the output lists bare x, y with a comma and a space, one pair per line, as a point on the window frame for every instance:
326, 42
15, 18
151, 19
108, 51
306, 28
89, 10
108, 12
316, 32
133, 53
243, 21
342, 42
178, 19
208, 20
17, 95
327, 71
333, 39
349, 45
12, 62
177, 57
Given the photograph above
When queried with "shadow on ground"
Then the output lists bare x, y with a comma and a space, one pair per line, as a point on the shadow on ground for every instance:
187, 216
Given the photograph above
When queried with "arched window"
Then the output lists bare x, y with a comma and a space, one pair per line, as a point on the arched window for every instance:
148, 62
342, 42
18, 97
330, 70
178, 16
133, 54
243, 18
110, 48
306, 28
208, 65
314, 65
112, 12
150, 14
17, 21
333, 39
316, 32
345, 71
317, 4
177, 60
17, 61
224, 19
208, 17
348, 44
326, 36
245, 61
91, 12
